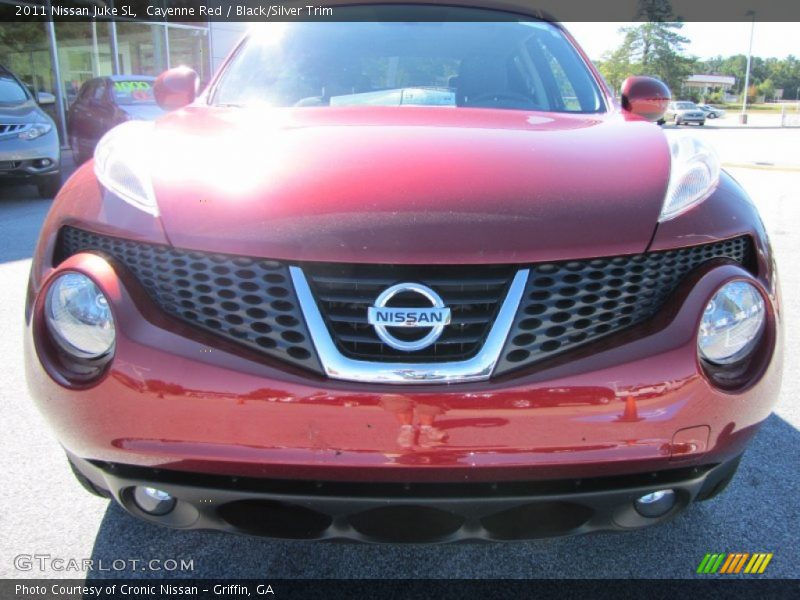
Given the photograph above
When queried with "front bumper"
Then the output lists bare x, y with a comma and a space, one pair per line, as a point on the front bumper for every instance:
690, 118
24, 159
180, 399
397, 513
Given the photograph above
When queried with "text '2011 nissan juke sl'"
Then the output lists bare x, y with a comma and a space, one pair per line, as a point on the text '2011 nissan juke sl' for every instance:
404, 280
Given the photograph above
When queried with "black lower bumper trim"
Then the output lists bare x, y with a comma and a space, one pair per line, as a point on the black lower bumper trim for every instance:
406, 513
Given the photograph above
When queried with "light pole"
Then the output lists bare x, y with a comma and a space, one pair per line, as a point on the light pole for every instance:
743, 117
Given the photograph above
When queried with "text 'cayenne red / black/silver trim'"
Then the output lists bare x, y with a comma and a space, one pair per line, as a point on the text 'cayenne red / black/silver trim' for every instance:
315, 316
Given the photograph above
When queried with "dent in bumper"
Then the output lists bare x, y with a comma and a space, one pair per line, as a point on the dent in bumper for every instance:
180, 399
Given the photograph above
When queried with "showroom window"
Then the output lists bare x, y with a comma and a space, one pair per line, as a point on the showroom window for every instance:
54, 59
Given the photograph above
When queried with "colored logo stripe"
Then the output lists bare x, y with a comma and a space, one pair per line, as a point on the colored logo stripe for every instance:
734, 562
710, 563
758, 563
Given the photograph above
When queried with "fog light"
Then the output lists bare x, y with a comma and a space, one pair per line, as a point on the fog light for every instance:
42, 162
655, 504
153, 501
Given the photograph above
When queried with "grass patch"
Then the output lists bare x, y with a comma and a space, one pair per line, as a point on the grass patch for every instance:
766, 107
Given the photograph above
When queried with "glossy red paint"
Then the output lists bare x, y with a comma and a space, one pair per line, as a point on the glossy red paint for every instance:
96, 110
82, 202
163, 393
613, 408
415, 186
546, 176
645, 97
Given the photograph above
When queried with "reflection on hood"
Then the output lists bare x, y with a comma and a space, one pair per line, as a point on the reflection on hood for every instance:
27, 112
144, 112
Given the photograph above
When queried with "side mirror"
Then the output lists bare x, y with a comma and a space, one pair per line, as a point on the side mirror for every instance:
43, 98
646, 97
176, 88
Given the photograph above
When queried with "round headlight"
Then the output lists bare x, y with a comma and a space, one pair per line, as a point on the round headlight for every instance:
732, 323
79, 318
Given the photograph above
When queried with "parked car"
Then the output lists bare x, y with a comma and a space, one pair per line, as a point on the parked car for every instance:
684, 112
711, 112
429, 283
29, 147
103, 103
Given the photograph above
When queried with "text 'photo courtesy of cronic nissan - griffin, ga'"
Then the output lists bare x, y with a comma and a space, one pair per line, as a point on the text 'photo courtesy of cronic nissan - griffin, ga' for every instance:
404, 281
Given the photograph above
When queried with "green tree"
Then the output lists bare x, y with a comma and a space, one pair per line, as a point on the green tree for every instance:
655, 49
767, 89
616, 66
783, 73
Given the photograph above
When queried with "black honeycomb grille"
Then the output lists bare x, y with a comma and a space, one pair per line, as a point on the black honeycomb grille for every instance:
247, 300
569, 304
345, 292
251, 301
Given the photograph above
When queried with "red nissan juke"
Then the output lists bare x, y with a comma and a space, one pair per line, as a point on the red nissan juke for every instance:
405, 280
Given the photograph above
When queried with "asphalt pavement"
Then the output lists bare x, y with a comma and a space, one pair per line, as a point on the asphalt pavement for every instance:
43, 511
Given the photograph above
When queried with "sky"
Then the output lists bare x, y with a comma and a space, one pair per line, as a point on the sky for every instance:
707, 39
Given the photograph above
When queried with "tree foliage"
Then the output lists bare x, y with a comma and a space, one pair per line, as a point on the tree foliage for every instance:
655, 49
766, 74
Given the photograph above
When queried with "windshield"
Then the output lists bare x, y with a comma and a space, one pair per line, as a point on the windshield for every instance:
509, 64
11, 92
133, 92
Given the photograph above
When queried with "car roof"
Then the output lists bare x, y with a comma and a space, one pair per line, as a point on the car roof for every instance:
6, 71
522, 7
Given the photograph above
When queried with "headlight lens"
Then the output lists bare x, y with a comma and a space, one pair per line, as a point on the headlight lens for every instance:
34, 131
693, 176
732, 323
79, 318
122, 163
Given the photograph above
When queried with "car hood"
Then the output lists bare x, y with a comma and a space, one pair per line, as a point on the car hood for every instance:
408, 185
27, 112
144, 112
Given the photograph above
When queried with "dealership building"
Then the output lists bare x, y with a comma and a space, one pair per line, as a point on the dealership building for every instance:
58, 57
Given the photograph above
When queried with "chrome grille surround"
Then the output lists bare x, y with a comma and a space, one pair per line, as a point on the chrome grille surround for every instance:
344, 294
536, 312
476, 368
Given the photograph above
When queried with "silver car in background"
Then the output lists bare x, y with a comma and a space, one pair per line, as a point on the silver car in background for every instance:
684, 112
712, 112
29, 147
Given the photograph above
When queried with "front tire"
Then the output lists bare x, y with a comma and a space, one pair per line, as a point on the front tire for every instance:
48, 185
711, 116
